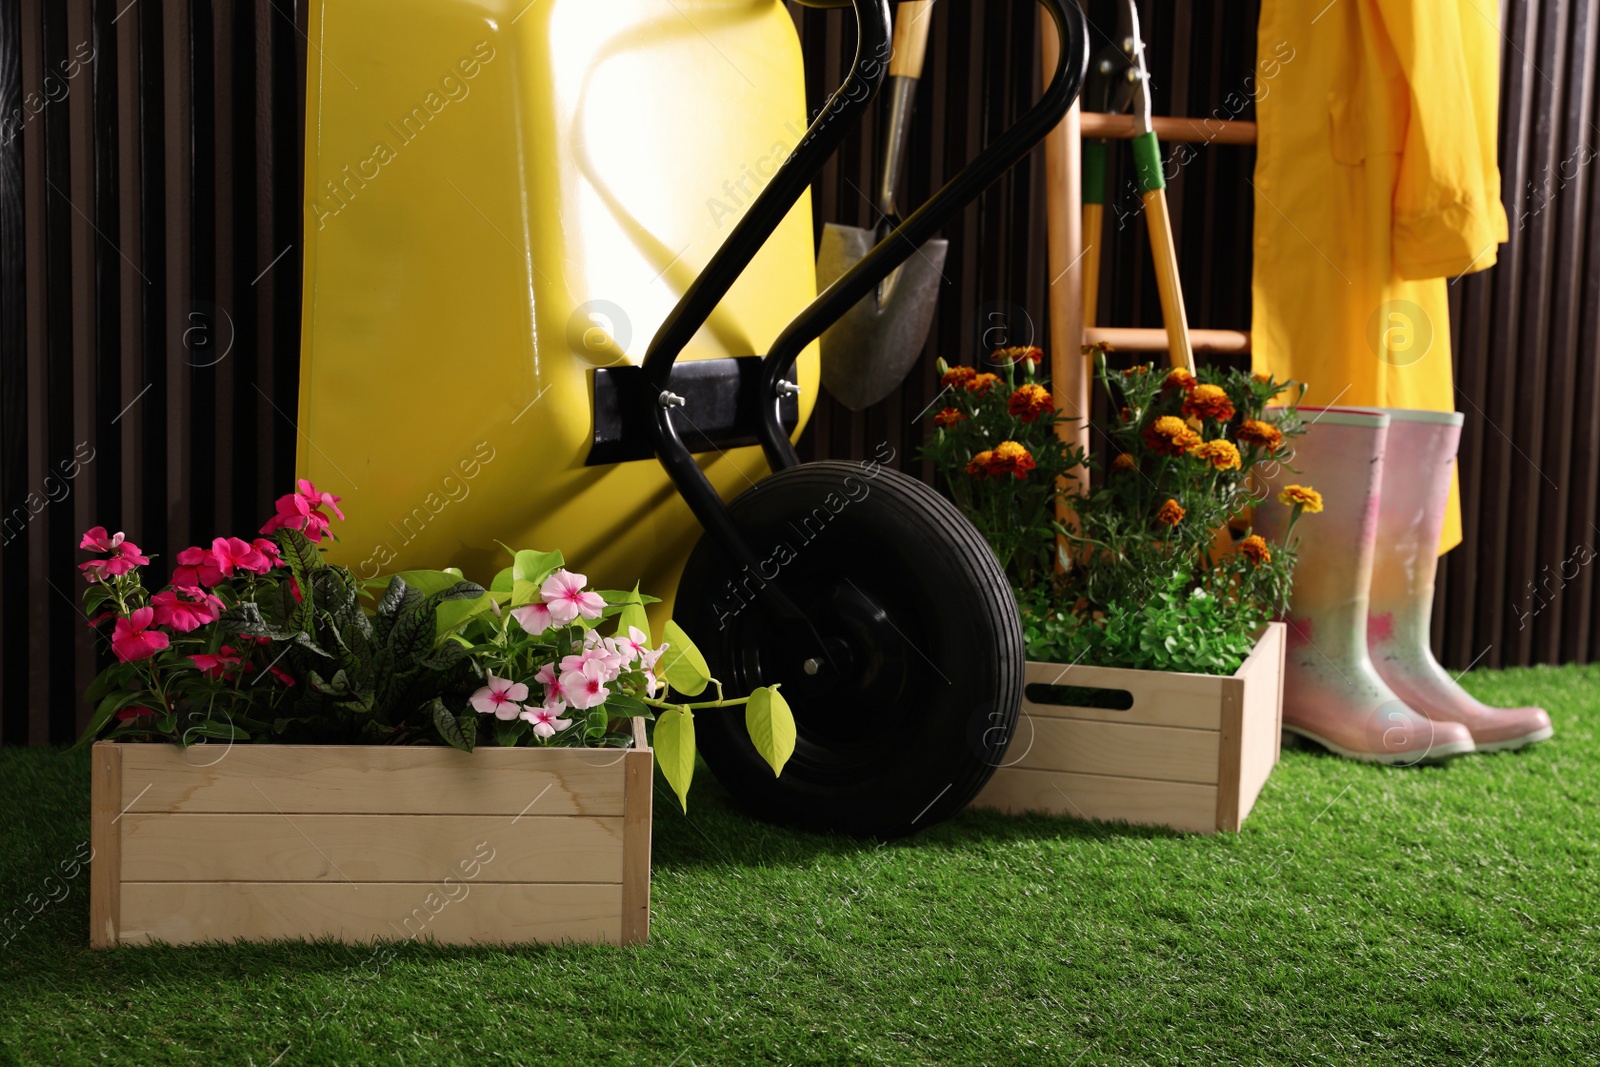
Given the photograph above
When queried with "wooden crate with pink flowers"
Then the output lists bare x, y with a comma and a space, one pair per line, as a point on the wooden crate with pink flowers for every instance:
1165, 748
360, 843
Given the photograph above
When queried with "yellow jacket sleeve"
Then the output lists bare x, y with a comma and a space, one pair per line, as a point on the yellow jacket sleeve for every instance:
1446, 219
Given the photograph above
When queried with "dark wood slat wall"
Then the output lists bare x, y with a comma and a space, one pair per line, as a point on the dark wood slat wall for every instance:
149, 172
150, 183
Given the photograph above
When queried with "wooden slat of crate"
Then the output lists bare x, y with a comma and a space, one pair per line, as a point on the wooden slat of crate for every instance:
239, 847
375, 780
1180, 805
1160, 698
190, 912
1118, 749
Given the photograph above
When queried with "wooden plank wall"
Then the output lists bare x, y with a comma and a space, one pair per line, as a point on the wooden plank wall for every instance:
150, 290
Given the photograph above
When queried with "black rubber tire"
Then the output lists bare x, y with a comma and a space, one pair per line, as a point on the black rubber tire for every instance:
916, 703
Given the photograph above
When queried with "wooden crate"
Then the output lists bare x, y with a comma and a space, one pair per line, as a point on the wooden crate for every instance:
256, 842
1192, 752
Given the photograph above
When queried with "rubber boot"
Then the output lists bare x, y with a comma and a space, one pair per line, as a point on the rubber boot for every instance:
1332, 694
1416, 488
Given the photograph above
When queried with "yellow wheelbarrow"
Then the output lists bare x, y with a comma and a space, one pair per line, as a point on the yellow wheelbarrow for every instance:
506, 200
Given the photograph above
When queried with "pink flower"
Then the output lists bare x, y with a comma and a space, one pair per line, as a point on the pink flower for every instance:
133, 639
197, 567
232, 553
218, 664
650, 682
294, 588
94, 571
635, 645
501, 698
563, 592
281, 675
534, 618
544, 720
185, 609
97, 540
269, 549
585, 687
302, 511
135, 714
125, 557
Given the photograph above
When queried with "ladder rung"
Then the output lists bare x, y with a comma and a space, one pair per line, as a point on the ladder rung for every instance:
1144, 339
1214, 131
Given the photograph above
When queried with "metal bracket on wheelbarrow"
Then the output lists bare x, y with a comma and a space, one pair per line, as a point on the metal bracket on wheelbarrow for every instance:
724, 396
656, 403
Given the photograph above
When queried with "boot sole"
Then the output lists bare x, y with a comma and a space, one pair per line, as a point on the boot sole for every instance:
1436, 754
1544, 733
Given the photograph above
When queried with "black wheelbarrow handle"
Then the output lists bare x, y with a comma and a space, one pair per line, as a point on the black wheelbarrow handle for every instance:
902, 243
835, 120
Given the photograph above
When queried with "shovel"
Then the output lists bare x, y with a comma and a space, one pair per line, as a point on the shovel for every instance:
868, 352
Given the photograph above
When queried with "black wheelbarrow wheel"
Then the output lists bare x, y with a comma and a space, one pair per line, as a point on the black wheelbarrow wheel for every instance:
909, 711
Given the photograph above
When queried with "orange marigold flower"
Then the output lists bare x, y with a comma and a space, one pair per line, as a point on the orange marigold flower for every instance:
1170, 436
958, 376
949, 417
1220, 454
1179, 378
1208, 402
1256, 432
1138, 368
1127, 414
1255, 550
1170, 513
1010, 458
1301, 496
982, 383
979, 467
1123, 463
1018, 354
1029, 402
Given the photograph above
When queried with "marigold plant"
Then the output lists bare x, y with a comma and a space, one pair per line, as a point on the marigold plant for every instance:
996, 450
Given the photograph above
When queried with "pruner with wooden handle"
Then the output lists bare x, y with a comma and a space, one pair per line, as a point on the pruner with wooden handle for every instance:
1152, 185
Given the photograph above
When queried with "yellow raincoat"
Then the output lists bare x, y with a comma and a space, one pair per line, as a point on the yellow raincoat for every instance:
1376, 186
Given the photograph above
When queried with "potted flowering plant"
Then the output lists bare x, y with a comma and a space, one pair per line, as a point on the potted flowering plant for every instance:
1154, 672
272, 683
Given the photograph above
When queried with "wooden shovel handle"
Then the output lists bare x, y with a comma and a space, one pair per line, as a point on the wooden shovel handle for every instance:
911, 22
1164, 255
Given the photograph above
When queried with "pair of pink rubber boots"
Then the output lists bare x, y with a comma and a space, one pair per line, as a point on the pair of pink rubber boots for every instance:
1360, 678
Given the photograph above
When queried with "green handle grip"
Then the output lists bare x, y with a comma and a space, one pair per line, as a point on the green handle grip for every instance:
1147, 163
1094, 172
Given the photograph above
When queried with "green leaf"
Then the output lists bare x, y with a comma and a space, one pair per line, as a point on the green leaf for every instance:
449, 728
632, 614
506, 734
528, 571
109, 705
674, 747
502, 582
468, 721
682, 664
223, 731
771, 725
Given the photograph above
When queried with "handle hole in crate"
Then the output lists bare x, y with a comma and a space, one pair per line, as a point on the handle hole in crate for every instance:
1080, 696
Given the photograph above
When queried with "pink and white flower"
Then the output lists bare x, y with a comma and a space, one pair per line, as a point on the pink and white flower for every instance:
550, 678
635, 645
564, 592
501, 698
132, 638
585, 687
534, 618
185, 609
545, 721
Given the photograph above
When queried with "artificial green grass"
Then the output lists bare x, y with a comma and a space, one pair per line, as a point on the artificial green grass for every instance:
1365, 915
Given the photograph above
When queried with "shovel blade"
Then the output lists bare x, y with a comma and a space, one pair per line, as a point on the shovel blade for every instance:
869, 352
